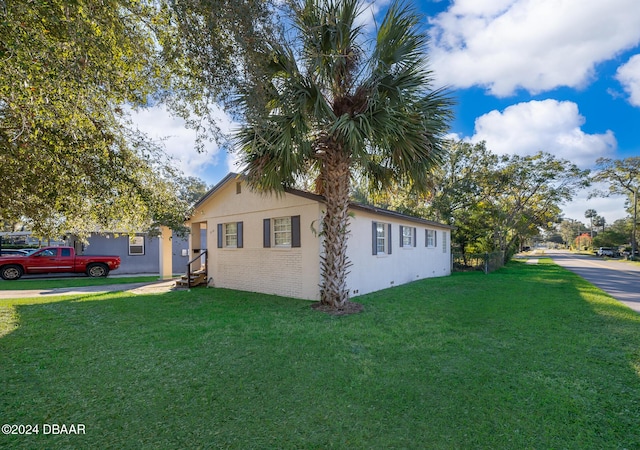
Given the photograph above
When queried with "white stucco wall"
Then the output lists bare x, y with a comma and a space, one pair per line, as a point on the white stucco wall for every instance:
371, 273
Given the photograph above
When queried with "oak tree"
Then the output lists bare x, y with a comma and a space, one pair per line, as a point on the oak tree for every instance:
496, 201
623, 178
71, 160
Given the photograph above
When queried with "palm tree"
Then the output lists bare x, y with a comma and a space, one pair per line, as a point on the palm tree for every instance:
591, 214
322, 107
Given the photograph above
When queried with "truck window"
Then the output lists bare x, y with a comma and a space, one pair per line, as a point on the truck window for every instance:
66, 252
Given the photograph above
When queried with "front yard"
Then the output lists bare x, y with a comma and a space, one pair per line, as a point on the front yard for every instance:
530, 356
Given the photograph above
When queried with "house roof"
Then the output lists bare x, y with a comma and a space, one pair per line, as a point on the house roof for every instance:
217, 187
319, 198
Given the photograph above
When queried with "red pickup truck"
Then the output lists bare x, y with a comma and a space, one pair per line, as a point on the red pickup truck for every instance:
56, 260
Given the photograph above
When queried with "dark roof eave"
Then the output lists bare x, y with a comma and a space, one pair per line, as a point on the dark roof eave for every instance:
397, 215
372, 209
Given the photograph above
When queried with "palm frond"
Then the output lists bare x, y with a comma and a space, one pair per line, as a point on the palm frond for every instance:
399, 41
406, 119
391, 123
331, 52
277, 142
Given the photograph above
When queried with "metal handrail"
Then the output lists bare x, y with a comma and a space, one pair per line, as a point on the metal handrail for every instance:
206, 266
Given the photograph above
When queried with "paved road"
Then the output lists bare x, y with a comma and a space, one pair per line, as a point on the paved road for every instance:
619, 279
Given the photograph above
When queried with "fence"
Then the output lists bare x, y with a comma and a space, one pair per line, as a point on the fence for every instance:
486, 262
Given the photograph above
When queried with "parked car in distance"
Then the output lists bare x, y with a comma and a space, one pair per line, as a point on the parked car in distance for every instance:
56, 260
607, 251
13, 251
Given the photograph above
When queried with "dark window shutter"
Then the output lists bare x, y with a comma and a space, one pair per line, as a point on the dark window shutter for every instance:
401, 236
389, 239
295, 231
239, 228
415, 237
374, 235
266, 233
435, 238
426, 237
220, 235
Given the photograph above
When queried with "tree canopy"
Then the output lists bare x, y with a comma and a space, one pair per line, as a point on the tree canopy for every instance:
497, 201
70, 72
622, 175
623, 178
615, 235
569, 229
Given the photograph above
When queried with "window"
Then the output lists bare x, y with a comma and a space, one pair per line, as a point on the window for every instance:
136, 245
381, 238
431, 238
283, 232
444, 242
65, 252
407, 236
230, 235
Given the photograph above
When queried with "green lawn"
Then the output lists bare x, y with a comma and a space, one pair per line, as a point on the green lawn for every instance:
530, 356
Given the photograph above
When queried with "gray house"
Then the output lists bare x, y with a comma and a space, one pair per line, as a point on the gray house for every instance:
140, 254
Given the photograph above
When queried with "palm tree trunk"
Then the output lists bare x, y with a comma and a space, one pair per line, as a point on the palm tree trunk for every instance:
334, 263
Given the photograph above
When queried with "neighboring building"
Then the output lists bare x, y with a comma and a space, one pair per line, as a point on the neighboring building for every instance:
138, 255
269, 243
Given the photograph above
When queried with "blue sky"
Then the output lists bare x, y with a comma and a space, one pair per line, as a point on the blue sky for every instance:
562, 76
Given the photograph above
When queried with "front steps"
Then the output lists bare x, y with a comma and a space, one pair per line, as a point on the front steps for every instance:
198, 278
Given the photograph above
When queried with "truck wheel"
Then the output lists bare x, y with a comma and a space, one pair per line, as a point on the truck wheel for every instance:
97, 270
11, 272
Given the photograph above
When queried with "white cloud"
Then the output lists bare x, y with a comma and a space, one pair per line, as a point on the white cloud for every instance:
553, 127
611, 208
180, 141
629, 76
537, 45
549, 125
369, 17
233, 162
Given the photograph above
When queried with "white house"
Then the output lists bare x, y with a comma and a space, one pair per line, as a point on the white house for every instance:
270, 243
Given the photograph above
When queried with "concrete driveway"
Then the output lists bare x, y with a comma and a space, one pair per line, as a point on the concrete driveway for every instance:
156, 287
620, 279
